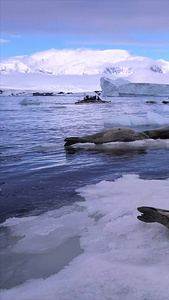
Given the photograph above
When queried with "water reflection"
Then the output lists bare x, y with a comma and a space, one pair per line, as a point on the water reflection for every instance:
107, 151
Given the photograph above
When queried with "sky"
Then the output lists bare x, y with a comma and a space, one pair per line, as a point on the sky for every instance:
139, 26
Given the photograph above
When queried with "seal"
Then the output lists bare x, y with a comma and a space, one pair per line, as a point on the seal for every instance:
112, 135
161, 133
152, 214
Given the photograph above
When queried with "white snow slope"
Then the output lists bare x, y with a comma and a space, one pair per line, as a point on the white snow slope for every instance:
123, 258
59, 69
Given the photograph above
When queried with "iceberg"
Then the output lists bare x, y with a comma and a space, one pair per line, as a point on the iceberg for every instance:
122, 87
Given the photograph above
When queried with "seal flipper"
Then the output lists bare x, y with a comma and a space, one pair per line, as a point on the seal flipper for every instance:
151, 215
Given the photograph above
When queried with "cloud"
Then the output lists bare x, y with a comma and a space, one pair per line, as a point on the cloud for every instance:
3, 41
100, 20
117, 41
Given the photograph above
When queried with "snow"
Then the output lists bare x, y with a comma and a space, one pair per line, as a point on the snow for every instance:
64, 62
82, 61
122, 257
79, 70
53, 83
124, 88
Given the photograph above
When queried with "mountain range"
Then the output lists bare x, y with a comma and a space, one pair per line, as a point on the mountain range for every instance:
79, 70
82, 62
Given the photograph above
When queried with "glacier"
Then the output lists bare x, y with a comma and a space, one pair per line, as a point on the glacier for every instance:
123, 87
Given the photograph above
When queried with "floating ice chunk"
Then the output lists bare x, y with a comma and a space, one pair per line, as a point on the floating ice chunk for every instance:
151, 118
115, 147
154, 118
27, 101
126, 120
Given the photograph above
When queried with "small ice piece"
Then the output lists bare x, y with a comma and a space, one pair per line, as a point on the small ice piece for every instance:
27, 101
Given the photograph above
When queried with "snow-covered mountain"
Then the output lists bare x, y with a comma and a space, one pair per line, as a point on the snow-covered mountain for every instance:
82, 62
64, 70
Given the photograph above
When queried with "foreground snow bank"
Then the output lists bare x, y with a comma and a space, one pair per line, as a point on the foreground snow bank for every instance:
123, 258
122, 87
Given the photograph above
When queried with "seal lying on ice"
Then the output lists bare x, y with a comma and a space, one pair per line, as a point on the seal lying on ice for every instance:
119, 135
152, 214
112, 135
161, 133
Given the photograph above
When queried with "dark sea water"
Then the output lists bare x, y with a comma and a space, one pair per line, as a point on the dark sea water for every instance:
38, 174
44, 227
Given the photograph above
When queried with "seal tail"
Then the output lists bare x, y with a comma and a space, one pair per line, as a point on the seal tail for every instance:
73, 140
151, 215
